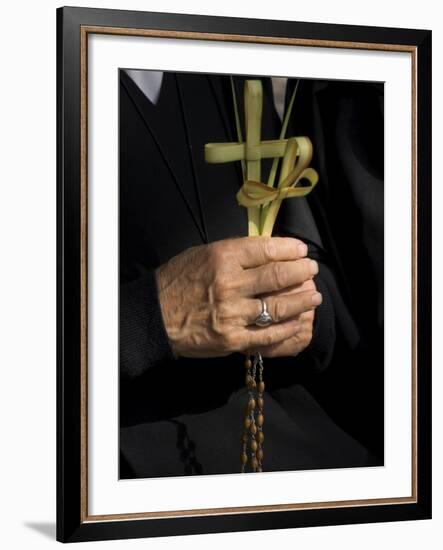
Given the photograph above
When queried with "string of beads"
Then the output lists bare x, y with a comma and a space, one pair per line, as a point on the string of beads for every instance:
253, 436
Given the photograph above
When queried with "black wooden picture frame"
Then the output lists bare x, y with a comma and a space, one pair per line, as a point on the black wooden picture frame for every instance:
73, 25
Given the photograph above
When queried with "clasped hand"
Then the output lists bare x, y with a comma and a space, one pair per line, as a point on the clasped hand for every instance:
210, 297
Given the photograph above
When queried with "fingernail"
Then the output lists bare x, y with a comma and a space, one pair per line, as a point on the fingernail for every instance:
302, 250
317, 299
313, 267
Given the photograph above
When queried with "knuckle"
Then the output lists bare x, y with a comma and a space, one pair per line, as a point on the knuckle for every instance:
304, 271
299, 271
280, 310
214, 253
269, 248
221, 287
279, 275
219, 253
224, 312
307, 302
308, 269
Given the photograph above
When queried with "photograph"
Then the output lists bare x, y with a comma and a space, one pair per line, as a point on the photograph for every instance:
251, 273
244, 274
218, 257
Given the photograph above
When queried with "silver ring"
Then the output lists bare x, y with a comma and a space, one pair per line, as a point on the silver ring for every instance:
264, 319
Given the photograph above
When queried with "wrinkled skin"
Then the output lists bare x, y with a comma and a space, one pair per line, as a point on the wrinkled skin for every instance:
209, 297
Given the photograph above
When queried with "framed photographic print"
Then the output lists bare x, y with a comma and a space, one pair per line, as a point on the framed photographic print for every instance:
244, 274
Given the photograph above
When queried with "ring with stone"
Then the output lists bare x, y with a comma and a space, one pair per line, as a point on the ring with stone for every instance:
264, 319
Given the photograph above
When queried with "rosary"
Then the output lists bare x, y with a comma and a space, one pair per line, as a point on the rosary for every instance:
263, 201
254, 418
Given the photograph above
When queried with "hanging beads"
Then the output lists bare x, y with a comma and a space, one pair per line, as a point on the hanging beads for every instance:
260, 415
252, 438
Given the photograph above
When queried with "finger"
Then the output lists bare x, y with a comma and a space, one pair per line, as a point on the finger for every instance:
290, 347
294, 289
293, 345
255, 251
258, 337
282, 308
277, 275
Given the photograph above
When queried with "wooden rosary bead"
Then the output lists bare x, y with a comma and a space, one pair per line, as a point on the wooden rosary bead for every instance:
254, 418
251, 404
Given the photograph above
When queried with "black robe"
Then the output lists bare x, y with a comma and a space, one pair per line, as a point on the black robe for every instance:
324, 407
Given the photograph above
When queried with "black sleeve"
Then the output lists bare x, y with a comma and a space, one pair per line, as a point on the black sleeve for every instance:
144, 342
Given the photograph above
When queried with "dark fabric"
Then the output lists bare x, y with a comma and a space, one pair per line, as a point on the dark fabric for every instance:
345, 122
300, 436
323, 407
143, 338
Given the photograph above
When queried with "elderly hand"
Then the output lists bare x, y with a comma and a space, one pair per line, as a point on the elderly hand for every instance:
301, 339
209, 297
